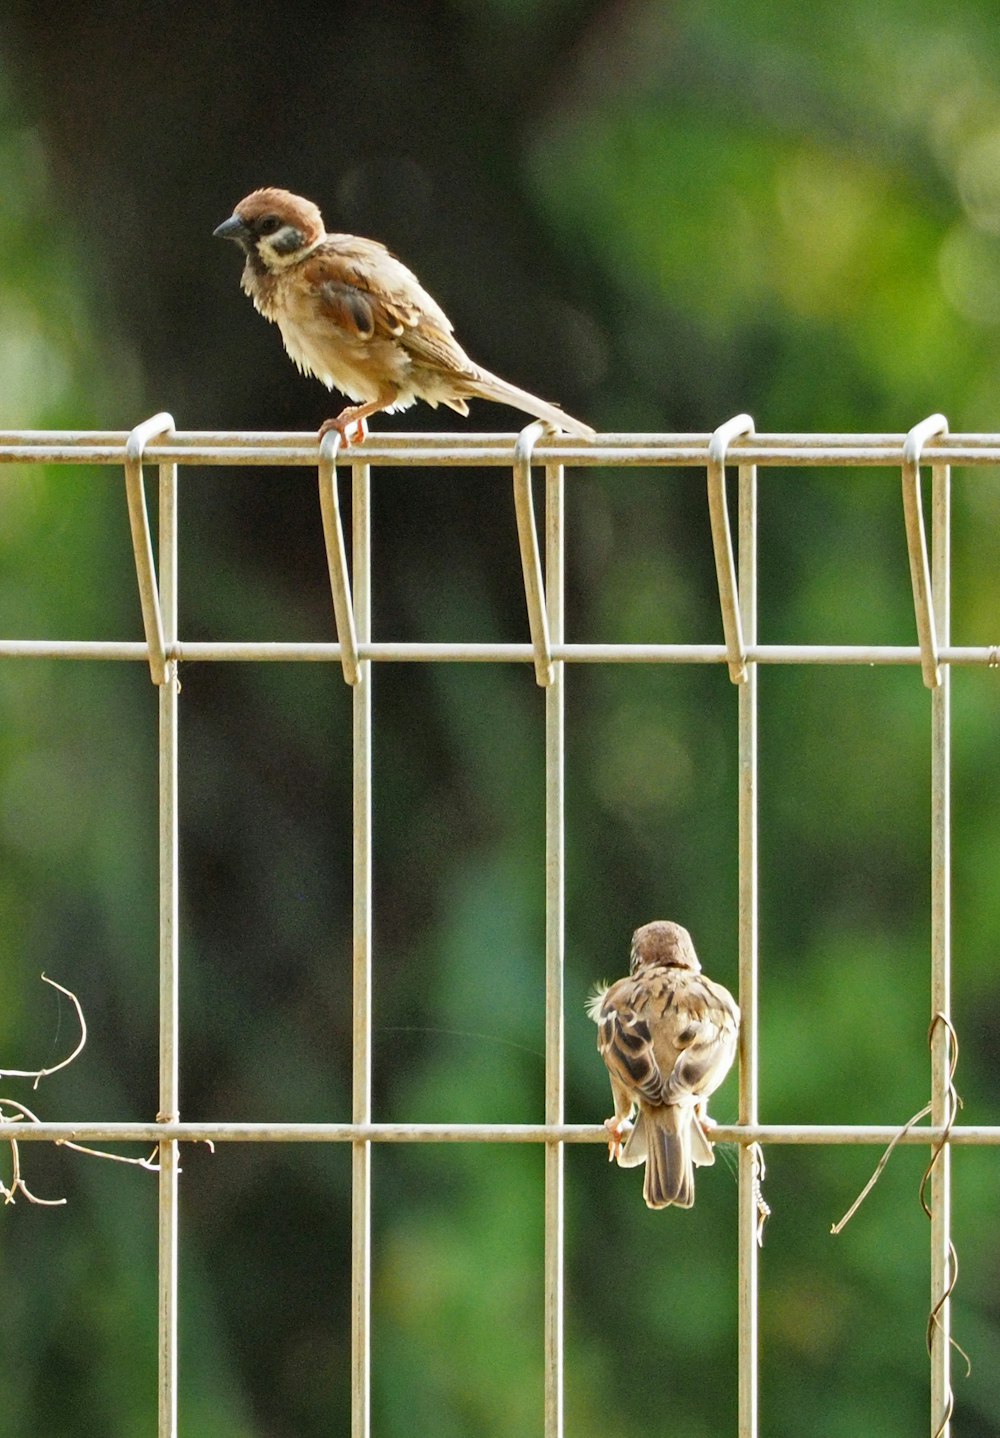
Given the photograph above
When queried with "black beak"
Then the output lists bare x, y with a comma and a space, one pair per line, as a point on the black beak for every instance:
233, 229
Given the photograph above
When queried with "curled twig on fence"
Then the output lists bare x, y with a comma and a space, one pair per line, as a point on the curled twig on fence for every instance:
953, 1102
842, 1223
763, 1211
17, 1184
39, 1074
12, 1112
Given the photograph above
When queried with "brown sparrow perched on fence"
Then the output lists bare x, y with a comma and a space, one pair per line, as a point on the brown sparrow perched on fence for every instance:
668, 1037
354, 316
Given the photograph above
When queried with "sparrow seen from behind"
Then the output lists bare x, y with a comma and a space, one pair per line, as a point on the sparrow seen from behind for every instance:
354, 316
668, 1037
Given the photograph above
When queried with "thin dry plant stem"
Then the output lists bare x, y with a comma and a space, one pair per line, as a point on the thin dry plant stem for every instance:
21, 1111
39, 1074
17, 1183
759, 1171
147, 1163
954, 1104
843, 1222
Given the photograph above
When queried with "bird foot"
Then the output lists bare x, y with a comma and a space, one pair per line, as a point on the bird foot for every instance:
344, 424
618, 1131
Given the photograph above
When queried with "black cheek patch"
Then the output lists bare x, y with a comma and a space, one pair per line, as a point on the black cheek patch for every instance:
288, 240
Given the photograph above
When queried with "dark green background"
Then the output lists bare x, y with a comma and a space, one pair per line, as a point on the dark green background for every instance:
659, 215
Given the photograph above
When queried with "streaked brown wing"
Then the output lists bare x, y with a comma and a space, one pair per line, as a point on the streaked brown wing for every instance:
625, 1042
367, 292
708, 1042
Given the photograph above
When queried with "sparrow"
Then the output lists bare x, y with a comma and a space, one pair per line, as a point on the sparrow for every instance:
354, 316
668, 1037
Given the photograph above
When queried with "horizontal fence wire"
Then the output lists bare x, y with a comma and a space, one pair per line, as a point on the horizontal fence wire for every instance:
415, 653
205, 447
224, 1131
157, 443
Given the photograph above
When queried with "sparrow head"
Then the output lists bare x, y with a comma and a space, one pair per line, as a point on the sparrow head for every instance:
274, 228
663, 943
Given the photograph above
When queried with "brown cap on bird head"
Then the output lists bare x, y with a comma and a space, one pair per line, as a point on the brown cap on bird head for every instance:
666, 943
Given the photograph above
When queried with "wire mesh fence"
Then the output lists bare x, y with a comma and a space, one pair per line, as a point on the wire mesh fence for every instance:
733, 448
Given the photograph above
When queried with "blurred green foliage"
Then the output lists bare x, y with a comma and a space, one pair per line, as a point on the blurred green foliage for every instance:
791, 212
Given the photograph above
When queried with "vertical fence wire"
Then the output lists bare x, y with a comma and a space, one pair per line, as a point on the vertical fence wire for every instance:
748, 891
169, 1101
555, 778
362, 980
942, 1276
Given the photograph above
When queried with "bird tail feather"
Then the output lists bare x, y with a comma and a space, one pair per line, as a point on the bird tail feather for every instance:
669, 1173
491, 386
634, 1149
702, 1152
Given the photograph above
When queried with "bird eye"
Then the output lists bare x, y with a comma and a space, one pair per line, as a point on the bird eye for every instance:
268, 225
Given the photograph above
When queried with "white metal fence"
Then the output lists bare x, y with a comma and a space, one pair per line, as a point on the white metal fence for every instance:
735, 445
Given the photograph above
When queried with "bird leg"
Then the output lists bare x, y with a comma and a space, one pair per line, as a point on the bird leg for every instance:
346, 428
618, 1129
346, 422
354, 416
